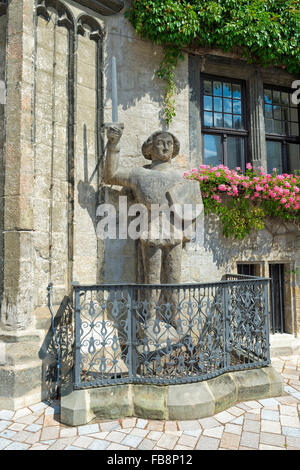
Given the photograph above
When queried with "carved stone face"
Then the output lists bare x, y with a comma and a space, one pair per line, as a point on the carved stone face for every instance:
162, 148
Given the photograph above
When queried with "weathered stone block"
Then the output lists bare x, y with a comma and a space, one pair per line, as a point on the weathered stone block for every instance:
224, 391
190, 401
251, 384
75, 408
150, 401
111, 402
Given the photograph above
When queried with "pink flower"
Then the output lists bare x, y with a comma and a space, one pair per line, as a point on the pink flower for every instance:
222, 187
249, 166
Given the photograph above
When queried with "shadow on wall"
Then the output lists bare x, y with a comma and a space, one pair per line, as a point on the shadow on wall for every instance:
87, 195
49, 352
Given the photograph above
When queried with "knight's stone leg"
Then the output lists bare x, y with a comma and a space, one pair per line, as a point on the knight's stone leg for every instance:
172, 274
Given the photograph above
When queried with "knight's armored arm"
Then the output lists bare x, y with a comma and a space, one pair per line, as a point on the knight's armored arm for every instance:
113, 174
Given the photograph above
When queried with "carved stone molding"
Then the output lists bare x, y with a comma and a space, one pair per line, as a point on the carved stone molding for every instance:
86, 25
64, 16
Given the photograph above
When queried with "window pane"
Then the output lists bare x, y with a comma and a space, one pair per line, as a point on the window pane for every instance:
208, 103
227, 89
277, 112
269, 126
268, 111
217, 88
218, 105
294, 114
227, 120
274, 156
237, 107
284, 98
208, 119
207, 84
293, 129
227, 106
235, 152
237, 122
236, 91
218, 120
212, 150
276, 97
268, 96
293, 157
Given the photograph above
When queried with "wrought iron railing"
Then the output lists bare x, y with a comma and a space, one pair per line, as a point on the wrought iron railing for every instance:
169, 334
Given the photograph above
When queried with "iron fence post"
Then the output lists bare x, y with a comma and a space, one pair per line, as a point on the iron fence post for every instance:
77, 360
129, 314
227, 326
266, 314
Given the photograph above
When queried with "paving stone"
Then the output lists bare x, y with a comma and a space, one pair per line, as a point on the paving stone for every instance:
51, 420
99, 435
253, 404
82, 441
214, 432
171, 426
252, 426
288, 410
168, 441
270, 426
234, 410
250, 439
22, 412
195, 433
39, 407
293, 442
230, 441
33, 427
293, 432
270, 415
88, 429
131, 441
61, 444
115, 436
189, 425
17, 446
39, 447
109, 426
21, 436
27, 419
4, 443
207, 443
269, 403
233, 429
5, 424
224, 417
114, 446
188, 441
209, 423
290, 421
128, 422
268, 447
272, 439
181, 447
141, 423
238, 420
33, 438
99, 445
155, 425
68, 432
73, 448
146, 444
50, 433
6, 415
154, 435
139, 432
8, 434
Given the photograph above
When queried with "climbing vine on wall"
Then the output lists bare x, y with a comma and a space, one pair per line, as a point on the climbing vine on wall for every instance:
264, 31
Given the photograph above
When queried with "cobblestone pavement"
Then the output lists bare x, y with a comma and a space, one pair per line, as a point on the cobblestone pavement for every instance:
269, 424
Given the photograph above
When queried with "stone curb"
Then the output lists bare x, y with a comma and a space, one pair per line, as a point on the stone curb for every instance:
170, 402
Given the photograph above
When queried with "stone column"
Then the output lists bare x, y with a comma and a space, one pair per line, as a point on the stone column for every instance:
257, 139
17, 297
20, 366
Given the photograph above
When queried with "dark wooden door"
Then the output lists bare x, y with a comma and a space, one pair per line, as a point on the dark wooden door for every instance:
277, 297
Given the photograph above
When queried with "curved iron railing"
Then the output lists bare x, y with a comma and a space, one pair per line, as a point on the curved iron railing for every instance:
169, 334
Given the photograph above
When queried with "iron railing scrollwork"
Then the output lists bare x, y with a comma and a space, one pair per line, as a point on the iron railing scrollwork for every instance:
169, 334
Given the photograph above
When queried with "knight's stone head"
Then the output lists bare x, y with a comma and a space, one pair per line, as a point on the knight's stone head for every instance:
161, 146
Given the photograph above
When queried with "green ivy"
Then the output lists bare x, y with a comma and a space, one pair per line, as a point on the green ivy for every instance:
266, 32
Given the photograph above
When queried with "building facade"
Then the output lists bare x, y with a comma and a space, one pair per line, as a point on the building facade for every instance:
55, 97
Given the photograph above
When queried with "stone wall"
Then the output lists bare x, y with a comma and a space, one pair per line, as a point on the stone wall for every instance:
3, 21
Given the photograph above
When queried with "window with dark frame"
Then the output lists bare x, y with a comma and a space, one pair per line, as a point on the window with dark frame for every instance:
282, 119
224, 126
